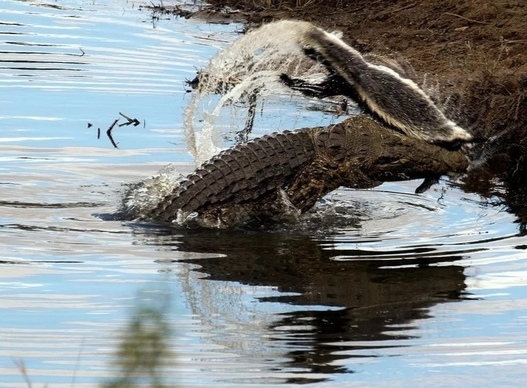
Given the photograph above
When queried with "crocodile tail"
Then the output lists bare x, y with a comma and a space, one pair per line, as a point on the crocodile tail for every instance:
240, 174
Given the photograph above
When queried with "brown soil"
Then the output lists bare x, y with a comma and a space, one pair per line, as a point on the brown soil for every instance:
476, 49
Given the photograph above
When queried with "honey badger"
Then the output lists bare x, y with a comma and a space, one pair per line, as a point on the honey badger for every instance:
389, 95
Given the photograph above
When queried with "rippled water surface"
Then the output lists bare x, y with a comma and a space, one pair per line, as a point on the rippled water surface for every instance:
375, 287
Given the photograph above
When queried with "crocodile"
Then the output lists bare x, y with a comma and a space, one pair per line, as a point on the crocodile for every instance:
266, 178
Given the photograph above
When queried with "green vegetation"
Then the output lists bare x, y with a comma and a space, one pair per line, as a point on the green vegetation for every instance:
145, 346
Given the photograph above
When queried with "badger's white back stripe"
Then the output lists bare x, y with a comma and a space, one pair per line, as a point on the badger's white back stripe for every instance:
397, 100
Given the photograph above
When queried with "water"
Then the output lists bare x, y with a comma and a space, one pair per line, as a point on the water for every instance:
376, 287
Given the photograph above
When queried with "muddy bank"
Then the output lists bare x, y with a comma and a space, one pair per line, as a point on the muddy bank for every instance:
476, 50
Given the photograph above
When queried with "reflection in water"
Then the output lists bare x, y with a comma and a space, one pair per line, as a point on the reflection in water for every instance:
357, 301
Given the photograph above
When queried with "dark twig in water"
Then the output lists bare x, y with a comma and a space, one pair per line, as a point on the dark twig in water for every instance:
109, 133
125, 116
98, 133
134, 121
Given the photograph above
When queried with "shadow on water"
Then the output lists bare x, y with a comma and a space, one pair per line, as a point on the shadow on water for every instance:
360, 301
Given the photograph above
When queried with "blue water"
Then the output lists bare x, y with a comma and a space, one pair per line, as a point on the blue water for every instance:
376, 287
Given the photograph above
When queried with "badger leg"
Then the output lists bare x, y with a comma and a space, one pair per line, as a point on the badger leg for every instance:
427, 183
331, 86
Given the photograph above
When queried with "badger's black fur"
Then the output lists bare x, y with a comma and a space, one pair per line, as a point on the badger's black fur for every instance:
395, 99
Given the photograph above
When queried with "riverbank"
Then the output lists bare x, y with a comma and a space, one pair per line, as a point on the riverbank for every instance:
475, 50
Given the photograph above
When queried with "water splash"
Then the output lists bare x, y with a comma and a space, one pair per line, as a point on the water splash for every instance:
143, 197
250, 67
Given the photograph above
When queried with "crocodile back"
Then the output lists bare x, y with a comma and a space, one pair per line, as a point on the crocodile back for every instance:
241, 174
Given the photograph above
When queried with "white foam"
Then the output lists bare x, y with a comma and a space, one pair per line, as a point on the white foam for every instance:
144, 196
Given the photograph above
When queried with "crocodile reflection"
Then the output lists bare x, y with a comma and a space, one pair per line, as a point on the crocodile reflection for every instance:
372, 299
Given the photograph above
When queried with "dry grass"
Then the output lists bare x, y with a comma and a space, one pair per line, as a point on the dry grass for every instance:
284, 4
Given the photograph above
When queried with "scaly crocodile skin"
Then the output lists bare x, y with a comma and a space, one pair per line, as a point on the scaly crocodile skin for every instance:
305, 165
